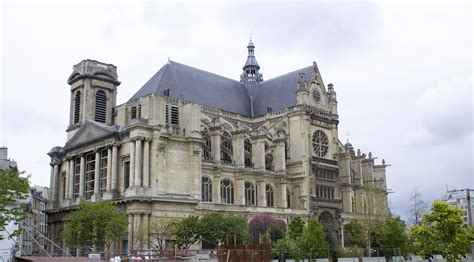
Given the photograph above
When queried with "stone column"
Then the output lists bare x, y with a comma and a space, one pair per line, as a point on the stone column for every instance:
138, 163
71, 179
258, 153
239, 191
283, 200
137, 232
130, 232
216, 190
146, 163
215, 134
66, 180
146, 232
132, 163
51, 180
262, 193
109, 169
238, 148
55, 181
97, 174
81, 176
279, 160
114, 167
342, 235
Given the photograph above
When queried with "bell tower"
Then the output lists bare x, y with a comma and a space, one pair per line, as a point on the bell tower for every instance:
251, 68
93, 94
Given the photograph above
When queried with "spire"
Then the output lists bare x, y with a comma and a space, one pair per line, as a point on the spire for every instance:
251, 68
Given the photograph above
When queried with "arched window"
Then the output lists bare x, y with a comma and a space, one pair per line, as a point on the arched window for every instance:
268, 162
269, 191
100, 106
247, 153
226, 148
249, 194
227, 192
206, 146
77, 107
206, 190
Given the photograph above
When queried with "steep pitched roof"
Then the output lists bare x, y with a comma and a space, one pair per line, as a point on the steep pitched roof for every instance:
202, 87
198, 86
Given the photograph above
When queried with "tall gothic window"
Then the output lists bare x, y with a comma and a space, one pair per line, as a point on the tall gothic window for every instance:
227, 192
226, 148
206, 190
100, 106
268, 162
77, 107
206, 146
247, 153
103, 171
249, 194
89, 175
77, 176
269, 191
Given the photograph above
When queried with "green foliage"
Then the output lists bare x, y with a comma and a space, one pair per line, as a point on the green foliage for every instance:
215, 228
355, 234
288, 248
442, 231
392, 234
313, 241
188, 232
13, 189
97, 224
295, 228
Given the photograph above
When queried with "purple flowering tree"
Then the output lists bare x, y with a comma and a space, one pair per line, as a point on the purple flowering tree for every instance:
265, 225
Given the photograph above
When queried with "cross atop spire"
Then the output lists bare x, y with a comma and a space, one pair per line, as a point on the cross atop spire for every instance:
251, 68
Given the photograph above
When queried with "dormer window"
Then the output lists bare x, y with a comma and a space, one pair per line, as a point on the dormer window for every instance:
166, 92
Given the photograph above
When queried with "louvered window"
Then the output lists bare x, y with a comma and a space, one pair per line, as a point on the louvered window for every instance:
174, 115
100, 106
167, 114
77, 107
133, 114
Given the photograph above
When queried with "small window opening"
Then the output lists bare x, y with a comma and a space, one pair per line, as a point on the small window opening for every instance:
174, 115
269, 109
133, 112
166, 92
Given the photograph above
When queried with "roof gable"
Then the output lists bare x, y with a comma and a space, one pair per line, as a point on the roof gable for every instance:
90, 132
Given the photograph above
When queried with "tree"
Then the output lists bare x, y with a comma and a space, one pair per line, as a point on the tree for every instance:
267, 225
288, 248
355, 233
295, 228
97, 224
417, 207
215, 228
392, 234
187, 233
162, 230
442, 231
313, 240
13, 189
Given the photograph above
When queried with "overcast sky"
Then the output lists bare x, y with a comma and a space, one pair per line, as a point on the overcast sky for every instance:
402, 72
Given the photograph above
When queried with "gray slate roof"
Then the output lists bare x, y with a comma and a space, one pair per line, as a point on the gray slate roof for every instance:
202, 87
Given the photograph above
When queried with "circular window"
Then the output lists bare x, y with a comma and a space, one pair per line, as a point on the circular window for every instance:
316, 96
320, 143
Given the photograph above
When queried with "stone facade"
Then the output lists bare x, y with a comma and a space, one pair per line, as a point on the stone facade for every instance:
162, 155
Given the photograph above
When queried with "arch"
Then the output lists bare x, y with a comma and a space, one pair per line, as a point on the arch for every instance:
77, 107
330, 226
100, 106
226, 148
227, 191
206, 189
269, 195
247, 152
249, 191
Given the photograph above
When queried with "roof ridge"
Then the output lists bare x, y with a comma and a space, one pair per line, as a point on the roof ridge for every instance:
195, 68
280, 76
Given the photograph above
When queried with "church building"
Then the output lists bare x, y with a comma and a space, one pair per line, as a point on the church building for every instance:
191, 142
